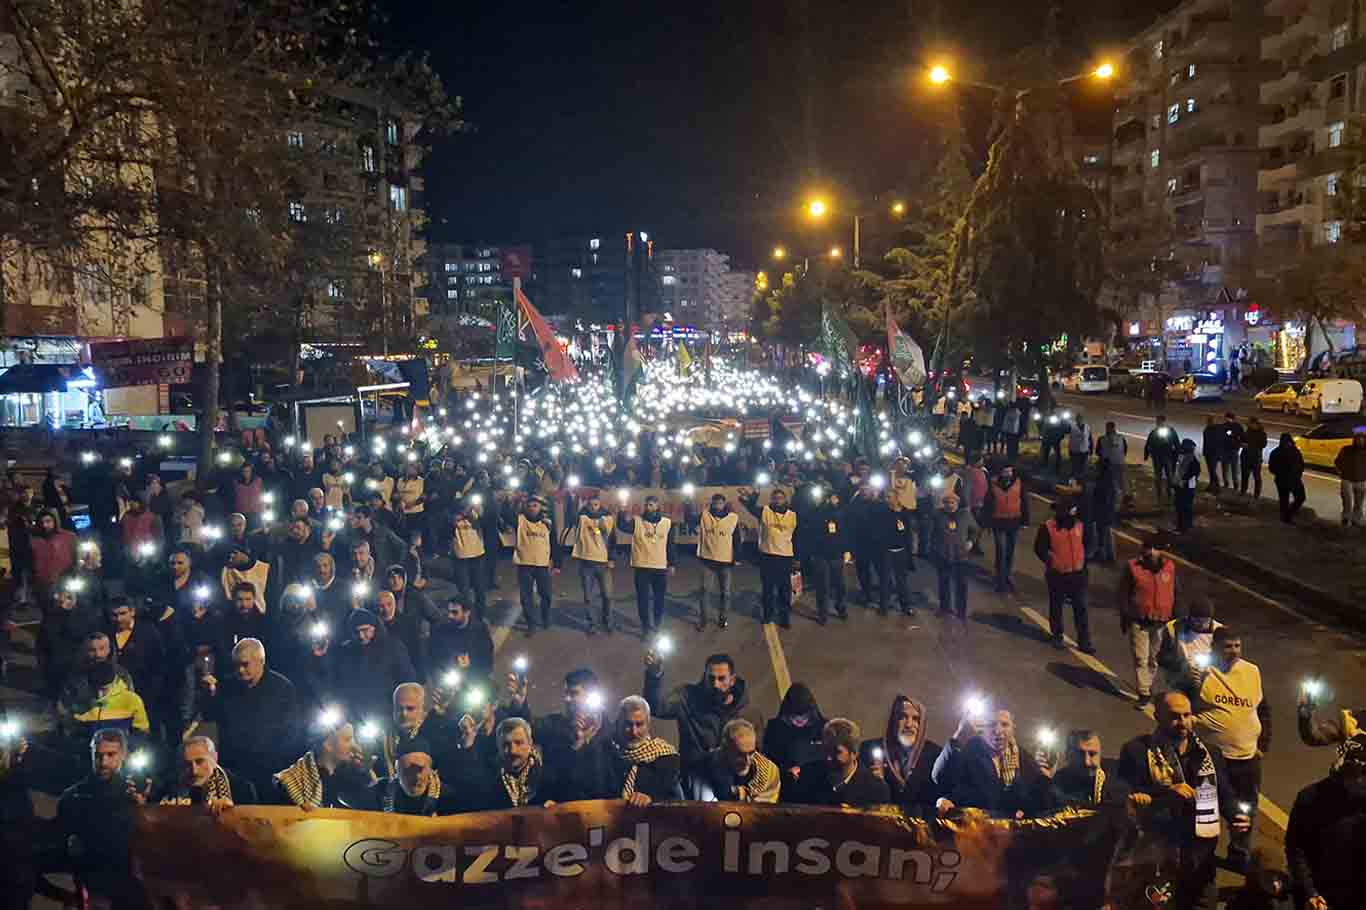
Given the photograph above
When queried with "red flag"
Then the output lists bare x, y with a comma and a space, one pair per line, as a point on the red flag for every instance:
557, 362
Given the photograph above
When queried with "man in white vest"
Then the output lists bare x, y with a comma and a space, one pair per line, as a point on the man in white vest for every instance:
652, 558
537, 558
777, 524
593, 526
718, 543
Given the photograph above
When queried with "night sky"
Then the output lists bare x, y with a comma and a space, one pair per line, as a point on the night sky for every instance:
691, 120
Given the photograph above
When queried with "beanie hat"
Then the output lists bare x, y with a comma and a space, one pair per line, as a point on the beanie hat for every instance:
416, 744
360, 618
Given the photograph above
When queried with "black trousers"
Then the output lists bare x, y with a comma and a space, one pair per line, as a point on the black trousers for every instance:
827, 577
469, 581
1185, 508
1212, 465
775, 578
953, 586
1251, 470
492, 543
1245, 777
1291, 495
1071, 586
538, 577
651, 585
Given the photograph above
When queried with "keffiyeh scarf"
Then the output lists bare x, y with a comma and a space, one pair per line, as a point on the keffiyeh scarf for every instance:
518, 785
429, 796
217, 788
303, 782
1007, 763
642, 753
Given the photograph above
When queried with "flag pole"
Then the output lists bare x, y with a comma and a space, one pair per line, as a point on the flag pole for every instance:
516, 398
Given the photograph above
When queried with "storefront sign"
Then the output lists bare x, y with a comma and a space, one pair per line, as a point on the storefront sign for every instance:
1180, 323
144, 361
1253, 315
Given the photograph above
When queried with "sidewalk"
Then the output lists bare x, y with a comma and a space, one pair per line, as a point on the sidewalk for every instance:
1314, 562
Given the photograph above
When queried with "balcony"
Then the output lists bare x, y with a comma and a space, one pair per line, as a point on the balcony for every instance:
1278, 173
1274, 46
1287, 83
1303, 213
1322, 66
1326, 161
1307, 119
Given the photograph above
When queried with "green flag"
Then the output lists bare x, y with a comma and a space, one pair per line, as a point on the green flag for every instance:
839, 341
507, 331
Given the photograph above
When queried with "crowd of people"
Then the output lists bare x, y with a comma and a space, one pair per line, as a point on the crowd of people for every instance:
283, 606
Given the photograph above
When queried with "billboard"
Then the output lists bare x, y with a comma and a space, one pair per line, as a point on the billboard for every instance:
143, 361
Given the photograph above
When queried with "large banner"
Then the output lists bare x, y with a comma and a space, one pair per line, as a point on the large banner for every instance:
146, 361
606, 854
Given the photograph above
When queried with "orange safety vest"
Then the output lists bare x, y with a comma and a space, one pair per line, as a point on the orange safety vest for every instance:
1006, 503
1154, 595
1066, 550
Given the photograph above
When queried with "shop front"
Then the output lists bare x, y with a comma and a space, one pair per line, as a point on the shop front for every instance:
56, 395
1196, 342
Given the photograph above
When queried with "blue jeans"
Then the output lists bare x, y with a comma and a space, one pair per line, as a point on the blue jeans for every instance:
1005, 553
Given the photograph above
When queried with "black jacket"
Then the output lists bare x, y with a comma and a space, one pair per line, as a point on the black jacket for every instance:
599, 772
919, 792
61, 637
700, 718
792, 747
95, 821
258, 726
1214, 441
1325, 842
821, 533
813, 788
1254, 446
1073, 786
966, 775
448, 641
368, 674
143, 656
176, 792
1286, 463
1170, 815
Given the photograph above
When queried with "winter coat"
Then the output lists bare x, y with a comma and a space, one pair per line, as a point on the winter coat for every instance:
1254, 446
61, 637
1286, 463
144, 657
53, 555
814, 788
700, 718
448, 641
599, 772
368, 674
953, 535
1325, 841
259, 727
1351, 464
95, 824
966, 775
821, 533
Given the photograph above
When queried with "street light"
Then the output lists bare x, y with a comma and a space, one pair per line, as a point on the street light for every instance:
939, 74
817, 208
779, 253
898, 208
836, 252
1104, 71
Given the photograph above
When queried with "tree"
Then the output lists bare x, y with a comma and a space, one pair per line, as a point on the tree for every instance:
1313, 286
1141, 261
1031, 243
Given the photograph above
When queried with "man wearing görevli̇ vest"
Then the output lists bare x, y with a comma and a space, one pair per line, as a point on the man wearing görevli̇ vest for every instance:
777, 525
593, 527
652, 559
718, 544
1147, 600
537, 558
1061, 547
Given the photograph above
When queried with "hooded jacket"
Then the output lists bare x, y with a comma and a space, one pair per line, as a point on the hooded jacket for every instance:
1286, 461
908, 770
368, 674
700, 717
791, 746
1324, 842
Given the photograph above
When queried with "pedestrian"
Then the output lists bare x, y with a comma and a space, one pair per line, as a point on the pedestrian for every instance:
1187, 477
53, 550
1213, 440
718, 547
95, 821
1080, 444
1250, 462
988, 770
1006, 511
201, 780
1012, 426
467, 548
1186, 786
838, 778
891, 555
1232, 715
976, 480
1051, 436
1147, 600
702, 709
738, 773
825, 549
537, 558
954, 531
1229, 452
1187, 642
1061, 547
1084, 779
415, 787
1351, 465
652, 561
904, 757
1112, 450
630, 763
1286, 464
1323, 837
1160, 448
793, 738
1104, 506
969, 434
777, 526
332, 774
593, 528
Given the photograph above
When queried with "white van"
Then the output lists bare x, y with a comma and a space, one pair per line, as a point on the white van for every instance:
1087, 377
1318, 397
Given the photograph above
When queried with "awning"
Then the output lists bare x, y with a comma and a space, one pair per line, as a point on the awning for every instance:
39, 377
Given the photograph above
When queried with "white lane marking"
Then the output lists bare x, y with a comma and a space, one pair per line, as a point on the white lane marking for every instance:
778, 659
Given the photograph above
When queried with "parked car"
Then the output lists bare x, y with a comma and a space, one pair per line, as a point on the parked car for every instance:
1196, 387
1279, 396
1087, 378
1321, 445
1320, 397
1138, 382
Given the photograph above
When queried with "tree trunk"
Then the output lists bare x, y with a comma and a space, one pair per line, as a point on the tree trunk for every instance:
1045, 387
213, 364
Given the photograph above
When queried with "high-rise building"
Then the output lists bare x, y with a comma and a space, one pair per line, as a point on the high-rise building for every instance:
474, 278
598, 278
691, 283
737, 294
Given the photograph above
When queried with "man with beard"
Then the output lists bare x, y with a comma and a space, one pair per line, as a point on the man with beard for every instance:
330, 775
825, 549
990, 772
1185, 786
467, 545
202, 781
385, 547
907, 756
294, 554
62, 634
257, 711
1186, 641
1006, 511
1147, 600
1061, 547
838, 778
414, 788
955, 530
777, 526
92, 680
793, 738
1323, 842
702, 709
332, 594
402, 627
243, 567
652, 559
246, 619
718, 545
370, 666
1085, 779
737, 772
54, 554
630, 764
536, 557
516, 778
138, 649
95, 820
593, 527
462, 643
563, 734
411, 721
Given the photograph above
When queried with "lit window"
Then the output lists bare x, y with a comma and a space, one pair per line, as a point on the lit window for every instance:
1190, 105
1332, 231
452, 266
1171, 186
297, 212
1156, 122
453, 279
1337, 88
398, 198
576, 272
1330, 185
1155, 159
1090, 159
295, 139
332, 215
1174, 113
1157, 49
1335, 133
391, 132
452, 294
595, 243
1338, 37
669, 279
334, 289
1190, 71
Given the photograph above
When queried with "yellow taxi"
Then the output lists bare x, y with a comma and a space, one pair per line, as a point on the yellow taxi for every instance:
1321, 445
1279, 396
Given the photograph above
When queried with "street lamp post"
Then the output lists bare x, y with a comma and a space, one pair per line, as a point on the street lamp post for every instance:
817, 208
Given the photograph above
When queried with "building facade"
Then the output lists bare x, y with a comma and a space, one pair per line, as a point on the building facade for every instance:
475, 278
598, 279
